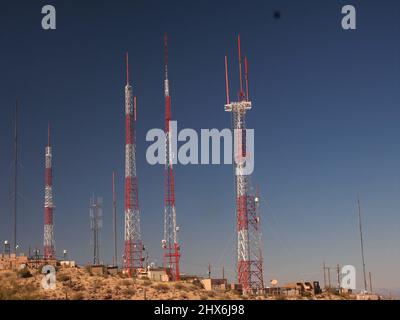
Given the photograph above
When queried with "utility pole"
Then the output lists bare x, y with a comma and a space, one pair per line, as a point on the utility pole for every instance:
324, 267
96, 214
362, 243
329, 278
209, 270
223, 272
370, 282
15, 176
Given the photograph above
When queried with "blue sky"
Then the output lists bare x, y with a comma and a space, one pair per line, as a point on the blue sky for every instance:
325, 114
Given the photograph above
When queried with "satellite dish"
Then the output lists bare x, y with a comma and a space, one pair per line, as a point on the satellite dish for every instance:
274, 282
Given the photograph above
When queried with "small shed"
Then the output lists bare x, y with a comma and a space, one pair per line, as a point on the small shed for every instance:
157, 274
97, 269
215, 284
112, 270
68, 263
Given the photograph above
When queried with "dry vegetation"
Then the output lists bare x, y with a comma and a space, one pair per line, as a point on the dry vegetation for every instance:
80, 284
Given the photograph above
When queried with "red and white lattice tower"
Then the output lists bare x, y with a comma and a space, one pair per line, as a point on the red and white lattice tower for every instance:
249, 257
170, 242
133, 253
48, 236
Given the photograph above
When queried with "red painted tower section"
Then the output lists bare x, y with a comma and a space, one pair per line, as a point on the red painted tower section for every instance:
48, 238
170, 242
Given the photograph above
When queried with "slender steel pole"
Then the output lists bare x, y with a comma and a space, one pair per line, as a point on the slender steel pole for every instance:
362, 243
329, 278
370, 282
15, 176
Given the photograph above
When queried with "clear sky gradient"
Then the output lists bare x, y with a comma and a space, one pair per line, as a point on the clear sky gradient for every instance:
325, 112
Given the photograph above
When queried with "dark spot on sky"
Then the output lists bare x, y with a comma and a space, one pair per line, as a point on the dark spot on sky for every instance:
277, 14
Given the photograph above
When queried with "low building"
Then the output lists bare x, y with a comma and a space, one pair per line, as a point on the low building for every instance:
294, 288
157, 274
97, 269
236, 287
112, 270
67, 263
215, 284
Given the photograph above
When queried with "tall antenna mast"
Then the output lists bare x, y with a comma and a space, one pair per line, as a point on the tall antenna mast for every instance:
115, 258
249, 251
48, 233
15, 176
170, 242
96, 223
133, 250
362, 243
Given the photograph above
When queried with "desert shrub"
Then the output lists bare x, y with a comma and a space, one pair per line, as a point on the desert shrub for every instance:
194, 287
128, 292
161, 287
6, 293
97, 284
78, 287
146, 283
63, 277
203, 297
281, 297
6, 275
125, 282
24, 273
19, 292
179, 286
211, 294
